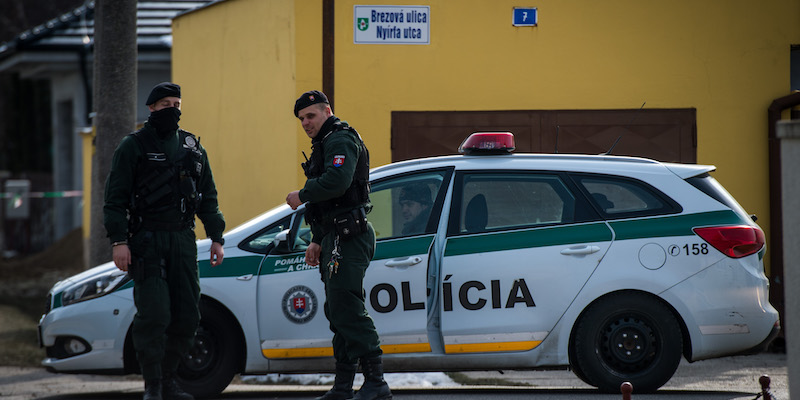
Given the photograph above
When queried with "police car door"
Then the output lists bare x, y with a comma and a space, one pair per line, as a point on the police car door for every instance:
405, 214
291, 320
520, 245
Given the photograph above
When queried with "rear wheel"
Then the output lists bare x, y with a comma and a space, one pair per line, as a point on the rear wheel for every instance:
213, 360
628, 337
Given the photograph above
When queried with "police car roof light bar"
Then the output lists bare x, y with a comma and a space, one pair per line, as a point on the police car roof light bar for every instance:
485, 143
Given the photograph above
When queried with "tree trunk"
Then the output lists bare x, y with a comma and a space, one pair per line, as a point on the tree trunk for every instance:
115, 104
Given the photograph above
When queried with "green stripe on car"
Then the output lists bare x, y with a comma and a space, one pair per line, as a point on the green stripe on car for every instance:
550, 236
383, 250
640, 228
403, 247
676, 225
231, 266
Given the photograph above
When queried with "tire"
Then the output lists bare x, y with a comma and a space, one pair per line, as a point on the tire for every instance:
629, 337
214, 359
576, 370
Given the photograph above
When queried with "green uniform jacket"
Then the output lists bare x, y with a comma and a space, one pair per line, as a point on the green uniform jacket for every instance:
341, 151
120, 186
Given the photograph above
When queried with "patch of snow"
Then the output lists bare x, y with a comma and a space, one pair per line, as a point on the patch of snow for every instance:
394, 379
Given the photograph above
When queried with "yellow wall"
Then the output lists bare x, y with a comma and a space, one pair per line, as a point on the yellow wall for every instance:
238, 63
87, 143
243, 62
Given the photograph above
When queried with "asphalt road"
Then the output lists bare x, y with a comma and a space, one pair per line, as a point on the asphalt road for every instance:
726, 378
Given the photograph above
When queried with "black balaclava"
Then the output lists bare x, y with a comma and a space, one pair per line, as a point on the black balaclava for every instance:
165, 120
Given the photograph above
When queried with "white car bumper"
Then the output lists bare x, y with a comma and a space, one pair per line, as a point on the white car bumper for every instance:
89, 335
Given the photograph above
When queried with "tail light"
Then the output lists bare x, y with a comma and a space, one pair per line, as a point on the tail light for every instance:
733, 241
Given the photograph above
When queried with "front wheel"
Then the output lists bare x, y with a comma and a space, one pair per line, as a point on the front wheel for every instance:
629, 337
213, 360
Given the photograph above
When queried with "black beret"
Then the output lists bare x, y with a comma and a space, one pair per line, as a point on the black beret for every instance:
163, 89
309, 98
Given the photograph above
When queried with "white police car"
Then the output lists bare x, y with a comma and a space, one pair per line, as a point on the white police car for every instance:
612, 266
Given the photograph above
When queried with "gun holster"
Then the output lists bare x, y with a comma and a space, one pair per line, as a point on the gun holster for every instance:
351, 224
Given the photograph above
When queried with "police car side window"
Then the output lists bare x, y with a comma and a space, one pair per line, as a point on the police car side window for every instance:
492, 201
616, 197
259, 242
407, 205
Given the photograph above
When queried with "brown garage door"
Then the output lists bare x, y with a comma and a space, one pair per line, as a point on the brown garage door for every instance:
665, 135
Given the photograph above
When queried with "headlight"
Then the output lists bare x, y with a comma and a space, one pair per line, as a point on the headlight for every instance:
94, 287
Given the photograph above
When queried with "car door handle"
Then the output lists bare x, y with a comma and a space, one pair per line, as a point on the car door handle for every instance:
404, 262
579, 251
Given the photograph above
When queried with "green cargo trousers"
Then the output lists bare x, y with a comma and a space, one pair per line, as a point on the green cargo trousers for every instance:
166, 293
354, 334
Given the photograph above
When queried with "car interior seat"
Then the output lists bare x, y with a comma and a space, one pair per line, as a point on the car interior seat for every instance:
477, 214
603, 201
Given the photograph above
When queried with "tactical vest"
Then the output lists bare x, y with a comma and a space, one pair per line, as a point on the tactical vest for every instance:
357, 194
161, 184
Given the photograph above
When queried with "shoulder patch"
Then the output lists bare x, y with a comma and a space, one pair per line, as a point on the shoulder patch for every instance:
338, 160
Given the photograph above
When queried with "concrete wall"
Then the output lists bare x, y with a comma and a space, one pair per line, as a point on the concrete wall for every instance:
243, 62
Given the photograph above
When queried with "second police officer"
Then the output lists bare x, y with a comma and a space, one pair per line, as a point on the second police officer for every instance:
343, 242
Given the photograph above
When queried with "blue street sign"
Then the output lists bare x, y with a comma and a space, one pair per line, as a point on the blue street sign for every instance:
525, 17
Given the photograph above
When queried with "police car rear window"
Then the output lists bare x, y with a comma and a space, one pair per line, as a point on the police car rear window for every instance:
708, 185
617, 197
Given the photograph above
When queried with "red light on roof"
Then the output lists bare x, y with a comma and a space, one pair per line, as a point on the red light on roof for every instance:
488, 143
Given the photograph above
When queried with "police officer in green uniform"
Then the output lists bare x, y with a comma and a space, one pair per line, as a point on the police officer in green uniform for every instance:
159, 180
342, 244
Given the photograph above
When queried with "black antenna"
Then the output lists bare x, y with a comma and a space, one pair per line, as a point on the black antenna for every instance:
557, 128
608, 153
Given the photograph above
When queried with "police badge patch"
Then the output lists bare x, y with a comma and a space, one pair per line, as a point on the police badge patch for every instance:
299, 304
338, 161
190, 142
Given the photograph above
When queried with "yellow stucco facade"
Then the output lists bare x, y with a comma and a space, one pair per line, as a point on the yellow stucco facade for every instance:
242, 63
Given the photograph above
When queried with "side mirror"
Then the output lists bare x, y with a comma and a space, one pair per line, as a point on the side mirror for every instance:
280, 244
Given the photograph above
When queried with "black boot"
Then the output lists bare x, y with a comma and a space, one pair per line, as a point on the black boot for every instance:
171, 391
374, 387
152, 390
343, 383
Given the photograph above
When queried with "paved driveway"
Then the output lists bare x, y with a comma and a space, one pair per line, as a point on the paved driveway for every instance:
730, 378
